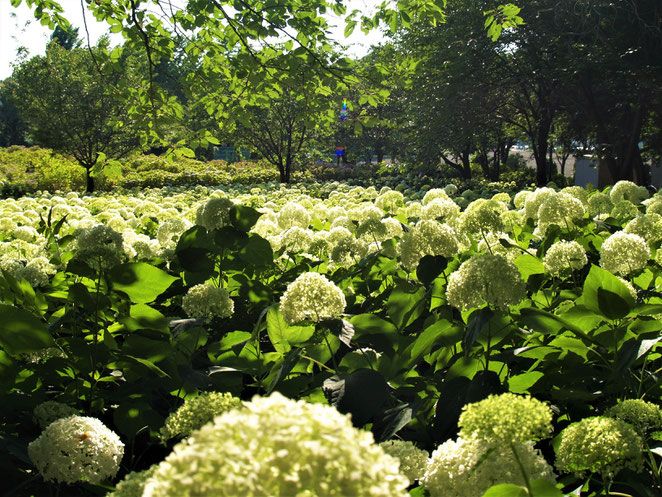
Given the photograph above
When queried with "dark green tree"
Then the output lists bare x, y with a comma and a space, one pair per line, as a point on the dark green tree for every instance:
68, 103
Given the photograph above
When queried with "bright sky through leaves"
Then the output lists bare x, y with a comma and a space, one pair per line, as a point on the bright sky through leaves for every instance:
18, 27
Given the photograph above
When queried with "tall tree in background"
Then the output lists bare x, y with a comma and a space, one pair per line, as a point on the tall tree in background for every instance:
68, 104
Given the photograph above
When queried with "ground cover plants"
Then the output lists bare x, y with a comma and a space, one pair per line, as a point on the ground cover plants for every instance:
498, 345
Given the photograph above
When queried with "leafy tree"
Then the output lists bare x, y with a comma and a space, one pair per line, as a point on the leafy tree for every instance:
12, 128
68, 104
66, 37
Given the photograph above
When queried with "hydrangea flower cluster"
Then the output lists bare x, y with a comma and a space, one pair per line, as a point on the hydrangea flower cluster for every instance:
278, 447
312, 297
624, 253
196, 412
563, 257
648, 227
133, 484
412, 459
293, 214
642, 415
483, 216
428, 237
207, 301
100, 247
561, 209
215, 213
505, 419
468, 467
485, 279
51, 410
599, 445
76, 448
627, 190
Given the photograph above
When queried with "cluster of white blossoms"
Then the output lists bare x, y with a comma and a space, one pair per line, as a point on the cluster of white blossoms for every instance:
624, 253
100, 247
563, 257
644, 416
215, 213
312, 297
468, 467
49, 411
427, 237
412, 459
278, 447
601, 445
76, 448
207, 301
496, 437
197, 411
485, 279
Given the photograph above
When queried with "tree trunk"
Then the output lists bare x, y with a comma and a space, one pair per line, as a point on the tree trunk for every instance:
89, 179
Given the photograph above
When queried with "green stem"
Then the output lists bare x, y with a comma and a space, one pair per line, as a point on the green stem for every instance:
333, 356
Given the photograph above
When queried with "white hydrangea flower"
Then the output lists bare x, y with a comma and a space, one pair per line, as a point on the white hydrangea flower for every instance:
312, 297
278, 447
563, 257
463, 468
207, 301
624, 253
77, 448
49, 411
427, 237
413, 460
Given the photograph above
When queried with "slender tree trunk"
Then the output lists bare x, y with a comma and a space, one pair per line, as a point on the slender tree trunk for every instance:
89, 180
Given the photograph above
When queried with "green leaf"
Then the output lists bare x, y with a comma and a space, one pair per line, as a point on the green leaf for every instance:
148, 364
243, 218
405, 304
361, 393
544, 488
605, 294
429, 267
522, 382
21, 332
149, 318
440, 332
140, 281
528, 265
391, 421
506, 490
257, 251
132, 417
478, 322
281, 334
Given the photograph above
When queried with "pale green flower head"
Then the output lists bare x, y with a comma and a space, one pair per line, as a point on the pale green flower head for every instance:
196, 412
371, 230
390, 201
563, 257
506, 419
278, 447
49, 411
468, 467
624, 210
482, 216
170, 230
428, 237
485, 279
624, 253
534, 200
501, 197
440, 209
297, 239
627, 190
648, 227
599, 445
642, 415
312, 297
133, 484
578, 192
215, 213
560, 209
435, 193
77, 448
293, 214
599, 203
207, 301
520, 198
412, 459
100, 247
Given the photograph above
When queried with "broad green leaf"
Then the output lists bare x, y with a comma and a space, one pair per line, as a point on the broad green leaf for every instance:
544, 488
257, 251
522, 382
149, 365
362, 393
21, 332
506, 490
405, 304
243, 218
605, 294
140, 281
281, 334
148, 317
528, 265
132, 417
441, 332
